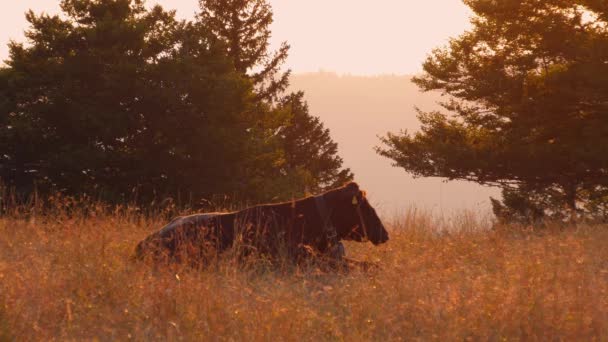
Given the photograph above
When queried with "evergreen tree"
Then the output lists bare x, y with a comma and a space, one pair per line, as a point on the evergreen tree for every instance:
244, 27
119, 100
298, 163
309, 150
114, 97
527, 102
68, 95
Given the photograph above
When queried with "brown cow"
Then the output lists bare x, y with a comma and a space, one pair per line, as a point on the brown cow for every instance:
316, 223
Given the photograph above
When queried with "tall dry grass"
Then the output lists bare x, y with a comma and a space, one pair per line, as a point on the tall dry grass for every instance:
68, 276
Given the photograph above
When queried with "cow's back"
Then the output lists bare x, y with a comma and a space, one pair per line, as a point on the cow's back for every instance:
187, 235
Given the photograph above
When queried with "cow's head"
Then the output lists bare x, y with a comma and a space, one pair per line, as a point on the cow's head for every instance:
354, 218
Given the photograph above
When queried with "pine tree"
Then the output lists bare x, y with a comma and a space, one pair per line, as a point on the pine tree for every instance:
309, 149
282, 171
527, 101
244, 27
67, 95
112, 97
123, 101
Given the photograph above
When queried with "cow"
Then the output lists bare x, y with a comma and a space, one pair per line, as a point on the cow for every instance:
315, 224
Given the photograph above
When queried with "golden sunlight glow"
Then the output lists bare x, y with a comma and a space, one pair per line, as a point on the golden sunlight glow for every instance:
344, 36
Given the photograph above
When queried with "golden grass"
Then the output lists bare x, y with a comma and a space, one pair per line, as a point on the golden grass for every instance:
71, 278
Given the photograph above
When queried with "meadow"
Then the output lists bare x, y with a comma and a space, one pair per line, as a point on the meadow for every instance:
68, 275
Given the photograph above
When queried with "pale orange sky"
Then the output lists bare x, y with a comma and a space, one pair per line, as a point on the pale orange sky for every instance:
346, 36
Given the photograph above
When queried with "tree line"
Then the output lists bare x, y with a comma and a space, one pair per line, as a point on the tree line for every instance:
120, 100
126, 102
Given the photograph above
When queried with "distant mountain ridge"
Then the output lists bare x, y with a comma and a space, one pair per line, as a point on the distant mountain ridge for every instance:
358, 109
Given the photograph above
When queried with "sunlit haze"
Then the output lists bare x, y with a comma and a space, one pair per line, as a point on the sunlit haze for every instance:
345, 36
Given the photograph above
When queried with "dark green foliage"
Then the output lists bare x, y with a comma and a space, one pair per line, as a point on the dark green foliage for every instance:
244, 28
311, 157
124, 102
519, 207
532, 206
527, 96
74, 99
307, 160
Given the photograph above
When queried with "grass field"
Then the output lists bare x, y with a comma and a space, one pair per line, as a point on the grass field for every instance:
70, 278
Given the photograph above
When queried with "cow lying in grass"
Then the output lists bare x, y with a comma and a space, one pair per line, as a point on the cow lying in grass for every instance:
310, 226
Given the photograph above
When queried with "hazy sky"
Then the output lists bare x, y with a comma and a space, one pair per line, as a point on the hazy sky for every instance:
345, 36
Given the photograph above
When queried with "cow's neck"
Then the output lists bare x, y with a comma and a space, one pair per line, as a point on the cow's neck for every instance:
328, 227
